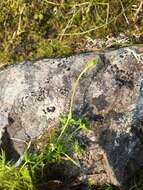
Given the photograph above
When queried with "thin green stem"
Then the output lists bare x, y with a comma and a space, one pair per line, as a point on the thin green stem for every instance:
90, 65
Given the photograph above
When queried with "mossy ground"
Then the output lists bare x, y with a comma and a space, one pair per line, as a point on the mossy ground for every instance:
31, 29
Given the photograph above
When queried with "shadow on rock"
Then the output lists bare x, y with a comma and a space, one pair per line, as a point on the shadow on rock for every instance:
137, 121
124, 155
8, 147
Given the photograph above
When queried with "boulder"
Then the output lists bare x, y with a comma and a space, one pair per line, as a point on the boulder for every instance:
33, 94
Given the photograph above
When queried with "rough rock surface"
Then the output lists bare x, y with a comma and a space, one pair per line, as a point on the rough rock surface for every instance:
34, 94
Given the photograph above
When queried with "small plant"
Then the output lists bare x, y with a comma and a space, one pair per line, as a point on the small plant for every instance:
108, 187
90, 65
89, 186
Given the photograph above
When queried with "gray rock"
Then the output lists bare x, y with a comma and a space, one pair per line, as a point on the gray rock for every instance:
34, 94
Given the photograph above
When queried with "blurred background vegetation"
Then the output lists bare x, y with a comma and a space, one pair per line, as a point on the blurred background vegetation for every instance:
31, 29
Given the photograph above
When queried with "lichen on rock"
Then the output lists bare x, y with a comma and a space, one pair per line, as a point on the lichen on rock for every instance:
34, 94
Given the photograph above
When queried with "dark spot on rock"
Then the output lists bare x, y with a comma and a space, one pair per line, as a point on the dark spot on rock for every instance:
68, 69
64, 91
51, 109
40, 98
114, 115
100, 102
59, 64
123, 82
121, 56
98, 118
47, 80
33, 93
124, 78
105, 61
10, 120
44, 111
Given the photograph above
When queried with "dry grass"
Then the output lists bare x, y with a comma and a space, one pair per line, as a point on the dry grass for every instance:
32, 29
